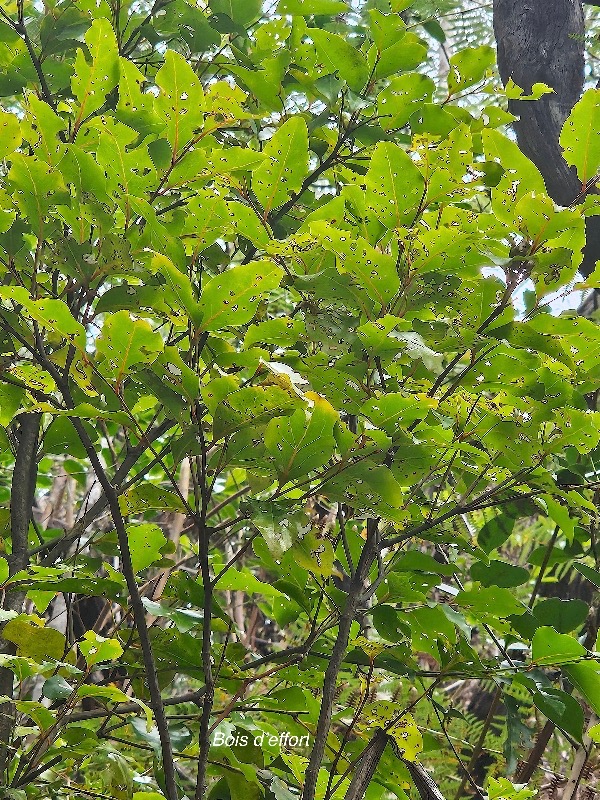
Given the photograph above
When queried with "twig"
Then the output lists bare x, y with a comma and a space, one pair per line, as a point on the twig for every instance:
354, 598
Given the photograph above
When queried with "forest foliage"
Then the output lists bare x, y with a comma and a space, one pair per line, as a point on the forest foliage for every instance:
284, 405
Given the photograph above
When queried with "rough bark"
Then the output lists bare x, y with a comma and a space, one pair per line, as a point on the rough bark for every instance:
543, 41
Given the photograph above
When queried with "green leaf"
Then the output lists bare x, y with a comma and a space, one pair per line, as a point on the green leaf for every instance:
243, 12
491, 601
147, 496
301, 443
232, 297
499, 573
563, 615
495, 532
96, 649
394, 186
550, 647
36, 187
125, 342
591, 574
57, 688
145, 544
406, 54
245, 581
520, 174
560, 515
306, 8
586, 678
181, 100
339, 56
185, 619
92, 82
10, 402
282, 174
10, 134
179, 284
562, 709
579, 139
404, 95
503, 789
469, 66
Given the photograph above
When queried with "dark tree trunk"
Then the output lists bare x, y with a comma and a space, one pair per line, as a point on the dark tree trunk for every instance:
543, 41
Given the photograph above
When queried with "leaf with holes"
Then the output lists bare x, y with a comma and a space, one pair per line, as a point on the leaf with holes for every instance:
142, 498
404, 95
281, 175
35, 187
135, 107
301, 443
181, 100
366, 485
579, 137
232, 297
369, 267
252, 405
339, 56
469, 66
10, 134
393, 719
394, 186
145, 544
52, 315
125, 342
91, 82
96, 649
314, 553
394, 410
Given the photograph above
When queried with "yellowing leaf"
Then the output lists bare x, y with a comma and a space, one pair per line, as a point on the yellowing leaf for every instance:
400, 726
34, 641
369, 648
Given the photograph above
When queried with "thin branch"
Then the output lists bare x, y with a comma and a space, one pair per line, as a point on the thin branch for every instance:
355, 594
